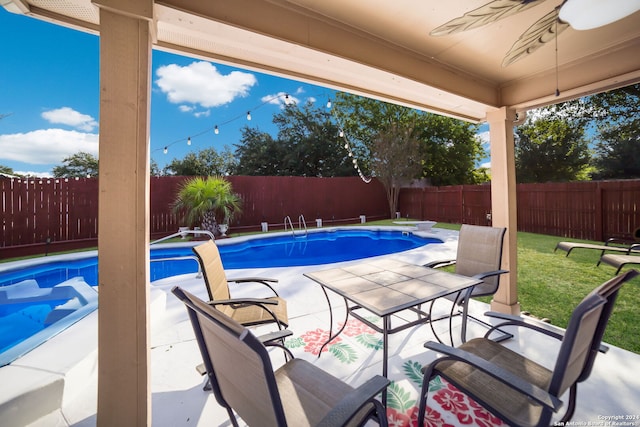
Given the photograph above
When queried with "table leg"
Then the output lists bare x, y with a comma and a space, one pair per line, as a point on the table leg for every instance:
386, 323
344, 325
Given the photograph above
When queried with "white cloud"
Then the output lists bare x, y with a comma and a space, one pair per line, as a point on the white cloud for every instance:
186, 108
202, 84
70, 117
205, 113
46, 146
34, 174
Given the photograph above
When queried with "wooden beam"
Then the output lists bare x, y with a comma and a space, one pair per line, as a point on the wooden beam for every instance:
124, 395
503, 205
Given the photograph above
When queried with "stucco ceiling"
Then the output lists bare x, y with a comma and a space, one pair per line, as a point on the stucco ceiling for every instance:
392, 50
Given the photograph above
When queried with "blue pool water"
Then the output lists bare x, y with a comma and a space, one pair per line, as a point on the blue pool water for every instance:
280, 251
31, 313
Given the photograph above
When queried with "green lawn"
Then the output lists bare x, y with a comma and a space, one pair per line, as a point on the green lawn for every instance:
550, 285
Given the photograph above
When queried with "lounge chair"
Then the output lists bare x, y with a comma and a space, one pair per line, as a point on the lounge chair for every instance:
515, 388
479, 255
619, 261
246, 311
611, 245
298, 393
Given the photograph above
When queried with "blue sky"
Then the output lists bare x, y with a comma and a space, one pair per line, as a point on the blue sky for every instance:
49, 97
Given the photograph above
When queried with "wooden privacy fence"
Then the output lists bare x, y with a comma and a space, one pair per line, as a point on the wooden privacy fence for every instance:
591, 210
41, 215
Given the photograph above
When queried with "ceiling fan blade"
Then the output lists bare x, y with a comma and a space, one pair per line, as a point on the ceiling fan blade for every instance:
589, 14
490, 12
540, 33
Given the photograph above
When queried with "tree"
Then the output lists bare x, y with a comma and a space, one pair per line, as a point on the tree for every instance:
6, 170
313, 145
550, 149
611, 117
259, 154
617, 150
451, 150
79, 165
206, 162
396, 160
154, 169
307, 145
618, 153
449, 147
209, 201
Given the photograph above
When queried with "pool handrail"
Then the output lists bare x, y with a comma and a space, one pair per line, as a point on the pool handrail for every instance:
301, 222
181, 233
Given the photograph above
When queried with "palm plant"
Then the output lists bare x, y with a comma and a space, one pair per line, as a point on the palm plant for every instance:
210, 201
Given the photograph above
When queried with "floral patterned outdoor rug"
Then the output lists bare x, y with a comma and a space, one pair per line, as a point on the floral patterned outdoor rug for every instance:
447, 406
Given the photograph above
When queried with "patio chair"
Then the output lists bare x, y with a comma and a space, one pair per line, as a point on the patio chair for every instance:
246, 311
298, 393
619, 261
515, 388
479, 255
611, 245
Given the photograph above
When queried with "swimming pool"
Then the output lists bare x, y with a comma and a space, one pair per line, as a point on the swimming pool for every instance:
259, 251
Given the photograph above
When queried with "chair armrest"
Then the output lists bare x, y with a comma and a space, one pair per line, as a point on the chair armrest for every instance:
262, 280
489, 274
509, 379
354, 400
441, 263
275, 336
511, 320
544, 328
243, 301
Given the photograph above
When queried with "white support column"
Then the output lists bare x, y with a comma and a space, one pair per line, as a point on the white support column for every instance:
504, 206
124, 392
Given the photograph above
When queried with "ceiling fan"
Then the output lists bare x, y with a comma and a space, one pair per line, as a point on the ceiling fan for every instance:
579, 14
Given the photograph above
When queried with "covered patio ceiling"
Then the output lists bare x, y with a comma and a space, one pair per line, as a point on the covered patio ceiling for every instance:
392, 50
395, 51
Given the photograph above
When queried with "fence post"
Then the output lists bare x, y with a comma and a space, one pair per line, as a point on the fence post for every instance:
599, 215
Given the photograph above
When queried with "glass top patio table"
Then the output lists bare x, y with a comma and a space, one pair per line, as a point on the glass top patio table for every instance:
387, 286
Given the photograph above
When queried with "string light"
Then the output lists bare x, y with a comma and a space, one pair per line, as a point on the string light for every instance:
287, 101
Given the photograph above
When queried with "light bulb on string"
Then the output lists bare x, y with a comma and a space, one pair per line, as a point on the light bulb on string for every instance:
329, 103
341, 133
286, 99
248, 115
189, 141
166, 150
216, 130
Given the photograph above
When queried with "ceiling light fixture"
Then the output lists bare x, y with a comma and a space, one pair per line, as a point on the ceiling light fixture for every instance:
589, 14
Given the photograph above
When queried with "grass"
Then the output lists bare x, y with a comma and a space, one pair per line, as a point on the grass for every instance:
550, 285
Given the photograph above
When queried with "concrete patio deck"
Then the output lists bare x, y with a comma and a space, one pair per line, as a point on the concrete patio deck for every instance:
613, 390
